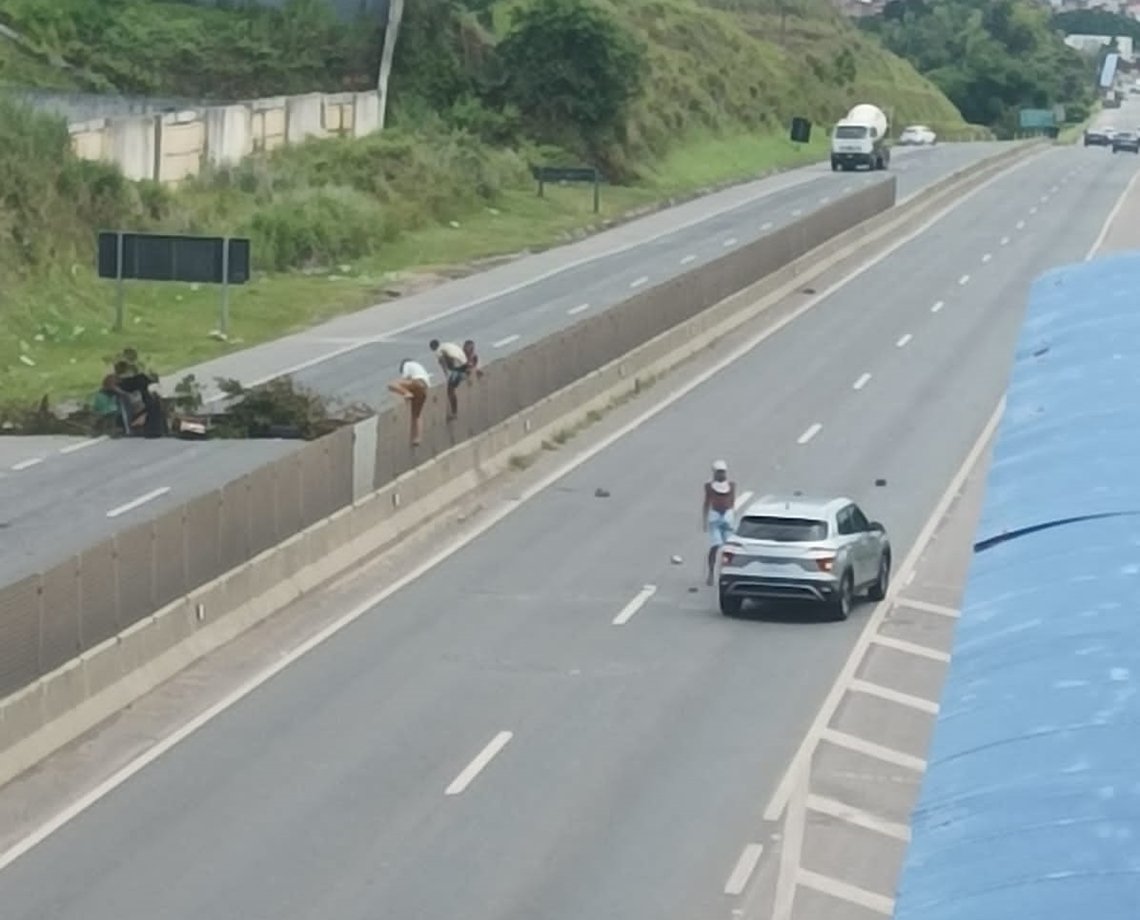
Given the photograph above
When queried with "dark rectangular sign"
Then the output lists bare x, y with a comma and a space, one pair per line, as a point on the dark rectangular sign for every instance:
162, 257
565, 173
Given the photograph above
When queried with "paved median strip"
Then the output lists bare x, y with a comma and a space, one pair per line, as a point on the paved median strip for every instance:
844, 891
629, 611
484, 757
910, 648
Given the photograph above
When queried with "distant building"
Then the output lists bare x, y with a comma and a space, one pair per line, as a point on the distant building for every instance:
1091, 44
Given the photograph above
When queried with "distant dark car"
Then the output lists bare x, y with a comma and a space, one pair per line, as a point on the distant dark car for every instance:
1098, 138
1126, 140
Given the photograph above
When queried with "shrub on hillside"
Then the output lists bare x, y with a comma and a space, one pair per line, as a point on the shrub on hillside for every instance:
51, 202
328, 201
570, 66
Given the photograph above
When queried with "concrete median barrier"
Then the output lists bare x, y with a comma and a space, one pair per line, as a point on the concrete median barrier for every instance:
83, 640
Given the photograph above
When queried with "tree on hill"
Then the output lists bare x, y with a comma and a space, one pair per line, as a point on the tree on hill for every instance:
989, 58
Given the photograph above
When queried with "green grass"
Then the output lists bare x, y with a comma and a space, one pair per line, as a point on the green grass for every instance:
337, 223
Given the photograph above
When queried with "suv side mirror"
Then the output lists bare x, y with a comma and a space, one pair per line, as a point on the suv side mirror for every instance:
876, 527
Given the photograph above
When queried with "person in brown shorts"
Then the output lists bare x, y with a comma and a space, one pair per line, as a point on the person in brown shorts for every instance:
412, 385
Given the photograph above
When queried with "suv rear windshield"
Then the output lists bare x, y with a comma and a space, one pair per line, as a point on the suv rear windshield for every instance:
781, 529
851, 131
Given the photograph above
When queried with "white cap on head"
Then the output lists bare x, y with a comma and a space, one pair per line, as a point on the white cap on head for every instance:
719, 466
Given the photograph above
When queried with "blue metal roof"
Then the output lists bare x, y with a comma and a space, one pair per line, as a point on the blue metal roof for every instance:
1030, 807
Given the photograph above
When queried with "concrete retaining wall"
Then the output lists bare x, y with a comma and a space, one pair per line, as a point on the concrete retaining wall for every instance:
171, 145
79, 642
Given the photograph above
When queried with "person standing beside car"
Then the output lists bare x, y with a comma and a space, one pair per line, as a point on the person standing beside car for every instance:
717, 517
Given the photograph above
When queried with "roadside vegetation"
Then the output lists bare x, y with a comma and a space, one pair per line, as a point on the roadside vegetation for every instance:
990, 57
672, 97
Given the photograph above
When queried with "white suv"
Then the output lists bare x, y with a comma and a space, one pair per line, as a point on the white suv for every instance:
794, 548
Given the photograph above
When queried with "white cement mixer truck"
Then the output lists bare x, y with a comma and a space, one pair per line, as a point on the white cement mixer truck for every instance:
860, 139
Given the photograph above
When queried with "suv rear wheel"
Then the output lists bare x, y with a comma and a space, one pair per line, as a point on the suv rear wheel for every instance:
730, 606
878, 590
840, 606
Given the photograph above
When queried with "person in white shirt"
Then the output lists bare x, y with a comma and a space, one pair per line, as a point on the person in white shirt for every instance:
456, 366
412, 385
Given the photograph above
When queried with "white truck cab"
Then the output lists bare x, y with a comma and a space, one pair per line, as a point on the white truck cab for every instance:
860, 139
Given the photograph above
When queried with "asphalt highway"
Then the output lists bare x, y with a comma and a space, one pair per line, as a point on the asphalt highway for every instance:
487, 743
503, 309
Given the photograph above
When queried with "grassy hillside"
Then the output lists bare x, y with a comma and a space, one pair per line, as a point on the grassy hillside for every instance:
337, 224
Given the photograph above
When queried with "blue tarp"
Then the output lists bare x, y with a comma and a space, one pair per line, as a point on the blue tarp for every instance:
1030, 807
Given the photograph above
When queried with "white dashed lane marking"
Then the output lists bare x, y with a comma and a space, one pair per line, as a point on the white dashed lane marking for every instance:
809, 434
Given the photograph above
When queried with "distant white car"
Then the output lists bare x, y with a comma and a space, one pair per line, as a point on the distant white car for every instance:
917, 136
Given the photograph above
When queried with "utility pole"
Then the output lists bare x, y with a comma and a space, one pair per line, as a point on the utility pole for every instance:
391, 32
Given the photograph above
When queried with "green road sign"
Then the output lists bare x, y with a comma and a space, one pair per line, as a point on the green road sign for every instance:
1035, 119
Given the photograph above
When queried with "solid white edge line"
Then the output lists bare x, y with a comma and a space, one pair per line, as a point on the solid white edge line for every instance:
502, 343
473, 769
938, 306
578, 309
1111, 219
640, 600
810, 433
742, 871
150, 755
141, 500
522, 285
82, 445
904, 341
791, 853
638, 282
801, 760
861, 382
27, 464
